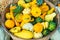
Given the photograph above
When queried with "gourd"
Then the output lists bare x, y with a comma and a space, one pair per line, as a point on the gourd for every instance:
45, 24
35, 11
38, 27
52, 26
45, 32
24, 34
18, 17
26, 11
38, 19
28, 26
27, 1
39, 2
17, 10
51, 11
38, 35
50, 17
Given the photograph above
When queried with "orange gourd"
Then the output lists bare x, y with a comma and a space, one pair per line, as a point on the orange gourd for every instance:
38, 27
43, 15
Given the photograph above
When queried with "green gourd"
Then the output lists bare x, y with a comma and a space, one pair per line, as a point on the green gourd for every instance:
39, 2
17, 10
27, 1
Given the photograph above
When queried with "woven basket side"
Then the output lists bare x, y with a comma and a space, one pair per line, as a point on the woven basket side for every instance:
4, 3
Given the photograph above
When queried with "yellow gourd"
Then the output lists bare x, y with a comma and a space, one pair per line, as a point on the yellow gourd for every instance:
21, 2
51, 11
12, 8
26, 18
27, 5
24, 34
45, 24
8, 16
18, 17
35, 11
15, 29
33, 2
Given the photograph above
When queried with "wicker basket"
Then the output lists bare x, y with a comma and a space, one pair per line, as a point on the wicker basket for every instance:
16, 38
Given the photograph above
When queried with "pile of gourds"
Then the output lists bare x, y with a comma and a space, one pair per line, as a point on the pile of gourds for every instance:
30, 19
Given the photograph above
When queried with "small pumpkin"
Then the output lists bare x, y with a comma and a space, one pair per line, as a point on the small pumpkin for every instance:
35, 11
44, 7
9, 24
38, 27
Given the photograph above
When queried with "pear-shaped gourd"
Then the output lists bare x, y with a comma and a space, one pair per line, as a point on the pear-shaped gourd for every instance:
50, 17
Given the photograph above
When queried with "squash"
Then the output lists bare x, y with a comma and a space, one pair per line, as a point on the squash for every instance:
18, 17
8, 16
9, 24
39, 2
43, 15
28, 26
26, 11
17, 10
15, 29
27, 1
51, 11
35, 11
44, 7
26, 18
38, 19
24, 34
38, 27
38, 35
